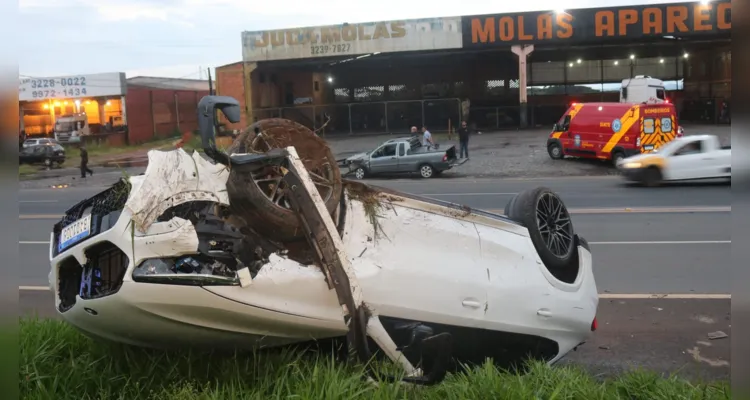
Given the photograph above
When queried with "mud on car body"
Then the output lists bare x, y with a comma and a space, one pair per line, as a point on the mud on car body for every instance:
174, 257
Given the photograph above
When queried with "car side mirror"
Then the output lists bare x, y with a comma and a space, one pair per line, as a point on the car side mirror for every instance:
207, 107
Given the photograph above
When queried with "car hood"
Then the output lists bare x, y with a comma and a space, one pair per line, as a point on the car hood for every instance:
643, 159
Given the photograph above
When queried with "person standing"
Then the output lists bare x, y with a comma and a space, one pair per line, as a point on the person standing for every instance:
85, 163
463, 140
427, 138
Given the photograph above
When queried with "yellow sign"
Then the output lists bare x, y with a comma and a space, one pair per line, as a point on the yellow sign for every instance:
657, 110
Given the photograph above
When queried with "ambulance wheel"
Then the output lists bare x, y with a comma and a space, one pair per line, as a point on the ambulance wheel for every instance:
652, 177
617, 157
550, 227
555, 151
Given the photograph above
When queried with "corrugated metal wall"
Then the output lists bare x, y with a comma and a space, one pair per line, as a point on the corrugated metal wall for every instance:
160, 113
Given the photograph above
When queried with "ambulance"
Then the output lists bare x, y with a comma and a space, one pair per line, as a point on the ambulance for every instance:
613, 131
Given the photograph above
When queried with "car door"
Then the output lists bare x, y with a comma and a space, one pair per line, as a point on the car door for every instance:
384, 160
686, 162
404, 164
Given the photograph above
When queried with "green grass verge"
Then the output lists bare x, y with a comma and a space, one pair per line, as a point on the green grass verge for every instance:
26, 169
57, 362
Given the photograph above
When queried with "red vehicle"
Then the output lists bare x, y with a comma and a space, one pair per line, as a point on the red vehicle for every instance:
612, 131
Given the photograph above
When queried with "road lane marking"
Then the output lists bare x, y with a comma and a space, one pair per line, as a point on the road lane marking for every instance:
611, 296
669, 242
33, 242
40, 216
37, 201
470, 194
614, 210
684, 296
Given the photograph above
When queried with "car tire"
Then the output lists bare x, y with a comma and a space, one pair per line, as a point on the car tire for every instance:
47, 162
550, 227
555, 151
617, 157
652, 177
250, 193
426, 171
360, 173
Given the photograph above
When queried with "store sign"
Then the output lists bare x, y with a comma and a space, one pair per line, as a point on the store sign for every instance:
72, 87
353, 39
594, 25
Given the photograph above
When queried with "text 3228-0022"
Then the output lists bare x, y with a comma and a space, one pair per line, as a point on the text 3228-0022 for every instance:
331, 48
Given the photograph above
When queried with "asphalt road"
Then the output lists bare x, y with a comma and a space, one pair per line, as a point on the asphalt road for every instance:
673, 240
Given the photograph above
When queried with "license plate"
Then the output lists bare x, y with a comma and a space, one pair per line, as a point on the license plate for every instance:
648, 147
74, 232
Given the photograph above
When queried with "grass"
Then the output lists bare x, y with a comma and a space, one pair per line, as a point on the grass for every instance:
26, 169
57, 362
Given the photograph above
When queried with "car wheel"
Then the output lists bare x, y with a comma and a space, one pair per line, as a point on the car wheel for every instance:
555, 151
47, 162
259, 197
550, 227
652, 177
617, 157
360, 173
426, 171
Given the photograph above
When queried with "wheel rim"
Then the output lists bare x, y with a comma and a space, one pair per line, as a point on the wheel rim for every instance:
426, 171
554, 224
556, 151
47, 162
270, 180
360, 173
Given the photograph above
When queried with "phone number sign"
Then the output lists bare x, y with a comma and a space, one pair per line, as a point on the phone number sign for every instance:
75, 86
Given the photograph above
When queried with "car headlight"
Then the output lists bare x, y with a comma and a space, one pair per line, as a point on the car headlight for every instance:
187, 270
631, 165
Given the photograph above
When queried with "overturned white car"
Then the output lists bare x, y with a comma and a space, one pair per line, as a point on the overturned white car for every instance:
271, 248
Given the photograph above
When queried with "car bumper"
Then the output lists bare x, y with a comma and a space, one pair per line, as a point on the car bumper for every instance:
632, 174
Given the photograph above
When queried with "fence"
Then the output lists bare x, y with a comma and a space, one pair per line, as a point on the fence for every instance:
371, 117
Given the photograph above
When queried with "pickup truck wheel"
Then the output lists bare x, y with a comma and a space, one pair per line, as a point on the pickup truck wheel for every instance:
426, 171
360, 173
555, 151
652, 177
260, 196
550, 227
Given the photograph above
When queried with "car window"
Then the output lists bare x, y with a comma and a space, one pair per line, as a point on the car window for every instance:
660, 94
39, 149
389, 150
57, 147
44, 141
690, 148
402, 149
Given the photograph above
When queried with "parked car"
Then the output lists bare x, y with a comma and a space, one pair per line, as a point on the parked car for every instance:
685, 158
38, 141
47, 154
181, 264
402, 155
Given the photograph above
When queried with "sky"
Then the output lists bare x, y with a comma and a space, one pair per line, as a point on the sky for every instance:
181, 38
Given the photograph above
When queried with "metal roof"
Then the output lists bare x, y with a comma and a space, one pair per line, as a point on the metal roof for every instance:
168, 83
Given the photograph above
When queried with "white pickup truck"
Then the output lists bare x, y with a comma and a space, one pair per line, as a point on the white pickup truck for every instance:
686, 158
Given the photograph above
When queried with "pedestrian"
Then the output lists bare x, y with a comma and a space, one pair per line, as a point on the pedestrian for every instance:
85, 163
427, 138
463, 140
414, 131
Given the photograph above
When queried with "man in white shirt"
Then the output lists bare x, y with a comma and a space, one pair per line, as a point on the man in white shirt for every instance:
427, 137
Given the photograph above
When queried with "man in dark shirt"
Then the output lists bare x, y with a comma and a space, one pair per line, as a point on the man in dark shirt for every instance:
463, 140
85, 163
